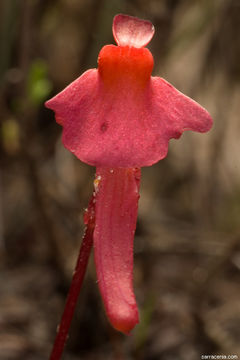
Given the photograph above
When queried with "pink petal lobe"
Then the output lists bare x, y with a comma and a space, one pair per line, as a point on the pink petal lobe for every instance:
181, 112
116, 213
131, 31
66, 104
170, 113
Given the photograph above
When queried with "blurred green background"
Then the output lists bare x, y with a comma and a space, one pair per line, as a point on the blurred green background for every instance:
187, 252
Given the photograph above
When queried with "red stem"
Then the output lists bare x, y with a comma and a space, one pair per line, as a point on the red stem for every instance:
76, 284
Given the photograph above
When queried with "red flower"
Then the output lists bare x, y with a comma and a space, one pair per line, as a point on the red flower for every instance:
119, 118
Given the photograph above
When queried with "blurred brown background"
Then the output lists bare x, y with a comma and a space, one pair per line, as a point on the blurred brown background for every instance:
187, 252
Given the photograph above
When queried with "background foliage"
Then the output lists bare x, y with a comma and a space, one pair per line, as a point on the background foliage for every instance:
187, 252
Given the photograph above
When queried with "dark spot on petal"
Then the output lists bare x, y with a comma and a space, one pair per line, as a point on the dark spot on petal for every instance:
104, 127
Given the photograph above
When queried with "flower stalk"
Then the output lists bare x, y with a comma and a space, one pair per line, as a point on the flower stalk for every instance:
76, 284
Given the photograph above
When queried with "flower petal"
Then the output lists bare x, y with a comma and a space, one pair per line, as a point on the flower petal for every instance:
124, 125
65, 104
131, 31
180, 113
116, 213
